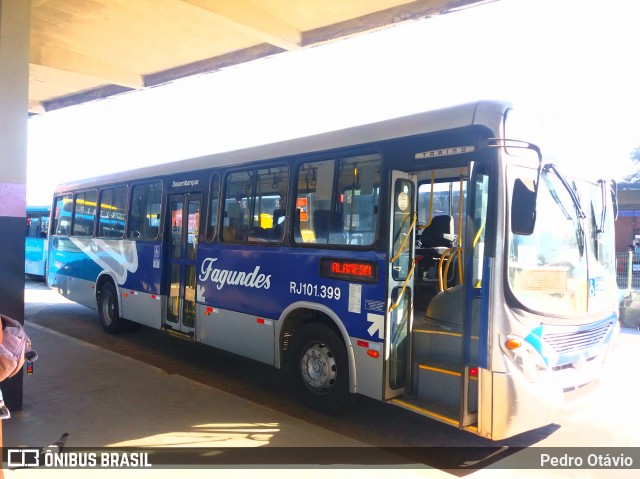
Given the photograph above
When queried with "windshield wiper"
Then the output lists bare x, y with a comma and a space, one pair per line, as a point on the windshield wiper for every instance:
572, 193
607, 187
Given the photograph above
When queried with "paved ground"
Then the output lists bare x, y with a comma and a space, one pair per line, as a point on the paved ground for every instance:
146, 389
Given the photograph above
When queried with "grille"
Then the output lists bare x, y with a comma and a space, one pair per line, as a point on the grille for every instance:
577, 340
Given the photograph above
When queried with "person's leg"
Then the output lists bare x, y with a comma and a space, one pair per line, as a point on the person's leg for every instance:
1, 446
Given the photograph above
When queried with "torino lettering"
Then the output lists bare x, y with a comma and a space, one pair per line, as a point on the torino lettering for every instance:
222, 277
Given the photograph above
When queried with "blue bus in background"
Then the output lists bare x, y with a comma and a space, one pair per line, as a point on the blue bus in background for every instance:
35, 260
431, 261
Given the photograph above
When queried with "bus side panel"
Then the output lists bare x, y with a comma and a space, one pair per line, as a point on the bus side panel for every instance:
238, 333
140, 292
144, 267
141, 307
263, 282
370, 370
35, 256
71, 270
76, 263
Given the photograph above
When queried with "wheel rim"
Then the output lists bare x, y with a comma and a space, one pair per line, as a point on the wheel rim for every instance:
318, 367
108, 307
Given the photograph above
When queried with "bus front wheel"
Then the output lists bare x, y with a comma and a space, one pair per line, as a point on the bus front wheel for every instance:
320, 368
110, 319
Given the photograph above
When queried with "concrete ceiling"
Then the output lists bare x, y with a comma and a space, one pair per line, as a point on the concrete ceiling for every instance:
82, 50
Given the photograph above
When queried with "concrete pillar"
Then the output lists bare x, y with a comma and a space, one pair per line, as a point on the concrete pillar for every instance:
15, 22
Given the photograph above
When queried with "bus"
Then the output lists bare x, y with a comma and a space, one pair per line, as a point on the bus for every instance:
35, 246
435, 262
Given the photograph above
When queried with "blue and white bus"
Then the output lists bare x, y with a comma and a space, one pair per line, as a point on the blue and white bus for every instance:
35, 246
427, 261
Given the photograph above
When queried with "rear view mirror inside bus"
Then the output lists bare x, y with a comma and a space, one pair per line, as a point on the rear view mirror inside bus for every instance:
523, 211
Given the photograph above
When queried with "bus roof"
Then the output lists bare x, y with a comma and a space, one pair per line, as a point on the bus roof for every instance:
37, 208
459, 116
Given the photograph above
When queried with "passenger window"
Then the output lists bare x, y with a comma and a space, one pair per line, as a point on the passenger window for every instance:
442, 198
255, 205
236, 205
62, 215
337, 201
84, 213
144, 219
113, 212
37, 225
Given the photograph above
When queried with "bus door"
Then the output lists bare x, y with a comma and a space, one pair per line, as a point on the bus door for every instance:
183, 225
399, 314
479, 248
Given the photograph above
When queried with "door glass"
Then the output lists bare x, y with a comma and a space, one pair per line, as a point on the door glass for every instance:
474, 335
192, 229
401, 234
173, 304
480, 218
176, 228
399, 355
189, 313
189, 304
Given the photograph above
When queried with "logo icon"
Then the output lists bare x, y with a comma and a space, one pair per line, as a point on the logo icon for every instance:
17, 458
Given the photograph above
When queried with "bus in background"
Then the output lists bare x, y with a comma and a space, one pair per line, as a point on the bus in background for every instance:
429, 261
35, 246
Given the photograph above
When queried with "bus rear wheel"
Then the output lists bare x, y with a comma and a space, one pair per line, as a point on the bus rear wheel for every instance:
108, 310
320, 368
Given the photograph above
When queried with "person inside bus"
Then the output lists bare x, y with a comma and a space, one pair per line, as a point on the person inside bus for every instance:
279, 215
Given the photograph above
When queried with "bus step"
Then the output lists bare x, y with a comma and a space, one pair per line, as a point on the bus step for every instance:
178, 334
430, 343
440, 412
436, 341
437, 381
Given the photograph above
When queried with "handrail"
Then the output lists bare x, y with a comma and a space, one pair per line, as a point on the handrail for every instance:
404, 286
433, 179
447, 257
406, 238
440, 263
413, 263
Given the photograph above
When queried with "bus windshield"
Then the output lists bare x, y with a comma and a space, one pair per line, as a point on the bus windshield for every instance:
559, 270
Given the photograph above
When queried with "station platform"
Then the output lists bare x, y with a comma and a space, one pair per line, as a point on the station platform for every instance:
82, 397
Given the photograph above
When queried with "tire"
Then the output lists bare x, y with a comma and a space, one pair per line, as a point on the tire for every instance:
320, 368
108, 309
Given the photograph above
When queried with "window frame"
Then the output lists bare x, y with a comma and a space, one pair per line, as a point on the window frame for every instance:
76, 194
129, 226
251, 195
335, 185
126, 210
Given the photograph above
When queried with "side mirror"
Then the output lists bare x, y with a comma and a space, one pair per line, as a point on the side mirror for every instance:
523, 208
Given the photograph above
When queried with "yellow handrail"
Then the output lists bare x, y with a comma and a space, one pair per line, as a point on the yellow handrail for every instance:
404, 286
433, 179
406, 238
413, 263
443, 272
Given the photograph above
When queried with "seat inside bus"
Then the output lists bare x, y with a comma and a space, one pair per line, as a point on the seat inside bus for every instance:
436, 238
327, 227
439, 233
445, 308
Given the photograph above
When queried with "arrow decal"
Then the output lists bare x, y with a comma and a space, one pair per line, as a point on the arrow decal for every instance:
377, 325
